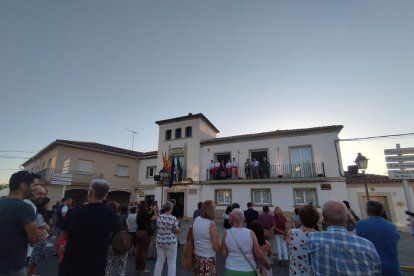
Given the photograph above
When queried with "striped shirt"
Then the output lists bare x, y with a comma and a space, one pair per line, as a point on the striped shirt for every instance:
339, 252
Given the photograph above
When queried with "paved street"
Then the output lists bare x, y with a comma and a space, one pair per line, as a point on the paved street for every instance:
406, 252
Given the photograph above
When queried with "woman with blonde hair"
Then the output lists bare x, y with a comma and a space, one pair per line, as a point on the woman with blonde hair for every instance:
206, 242
280, 236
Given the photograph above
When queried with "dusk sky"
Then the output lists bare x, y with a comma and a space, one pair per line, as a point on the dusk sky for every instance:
87, 70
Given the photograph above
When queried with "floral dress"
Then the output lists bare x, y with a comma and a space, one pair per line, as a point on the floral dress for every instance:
298, 253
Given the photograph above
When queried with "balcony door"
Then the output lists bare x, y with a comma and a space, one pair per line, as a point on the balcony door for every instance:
301, 161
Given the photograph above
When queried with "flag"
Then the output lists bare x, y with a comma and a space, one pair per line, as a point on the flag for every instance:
171, 179
179, 170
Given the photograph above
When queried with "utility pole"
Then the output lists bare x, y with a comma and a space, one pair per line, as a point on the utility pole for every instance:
133, 136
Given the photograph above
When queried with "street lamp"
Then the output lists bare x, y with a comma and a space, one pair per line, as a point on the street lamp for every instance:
163, 179
362, 163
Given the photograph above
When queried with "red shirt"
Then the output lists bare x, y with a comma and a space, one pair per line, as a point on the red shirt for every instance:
280, 222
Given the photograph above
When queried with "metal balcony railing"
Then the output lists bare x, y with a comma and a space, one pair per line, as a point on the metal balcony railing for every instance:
304, 170
55, 176
179, 176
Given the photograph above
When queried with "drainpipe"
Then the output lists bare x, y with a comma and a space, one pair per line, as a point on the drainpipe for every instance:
336, 142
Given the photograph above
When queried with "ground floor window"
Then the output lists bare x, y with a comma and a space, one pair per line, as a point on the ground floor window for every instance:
223, 197
305, 196
261, 197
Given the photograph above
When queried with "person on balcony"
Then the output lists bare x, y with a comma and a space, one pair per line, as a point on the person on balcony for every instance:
255, 167
234, 169
211, 169
216, 170
248, 168
228, 169
265, 167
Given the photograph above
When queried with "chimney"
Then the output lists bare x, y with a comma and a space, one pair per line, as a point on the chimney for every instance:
353, 170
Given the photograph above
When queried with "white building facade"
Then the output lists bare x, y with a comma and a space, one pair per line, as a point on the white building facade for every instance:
304, 166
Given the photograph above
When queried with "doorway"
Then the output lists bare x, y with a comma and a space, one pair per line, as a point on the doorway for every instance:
178, 210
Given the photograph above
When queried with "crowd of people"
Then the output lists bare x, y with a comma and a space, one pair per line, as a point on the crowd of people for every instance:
85, 236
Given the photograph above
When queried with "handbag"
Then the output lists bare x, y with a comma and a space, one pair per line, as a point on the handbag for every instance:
188, 250
256, 269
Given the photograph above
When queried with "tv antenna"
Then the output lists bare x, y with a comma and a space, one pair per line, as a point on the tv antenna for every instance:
133, 136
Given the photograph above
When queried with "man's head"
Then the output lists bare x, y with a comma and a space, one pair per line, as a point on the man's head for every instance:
98, 190
249, 205
346, 204
374, 208
22, 180
266, 209
335, 213
199, 205
37, 194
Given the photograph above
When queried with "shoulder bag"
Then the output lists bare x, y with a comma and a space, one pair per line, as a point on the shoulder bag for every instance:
257, 270
188, 250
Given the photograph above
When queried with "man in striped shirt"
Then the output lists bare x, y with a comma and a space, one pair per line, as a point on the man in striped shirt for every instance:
339, 252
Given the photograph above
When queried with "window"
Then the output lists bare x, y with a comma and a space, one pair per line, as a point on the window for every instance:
261, 197
301, 160
305, 196
121, 170
168, 134
84, 166
223, 197
223, 157
177, 133
151, 172
188, 131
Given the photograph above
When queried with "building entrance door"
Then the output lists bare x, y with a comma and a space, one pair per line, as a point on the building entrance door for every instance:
178, 210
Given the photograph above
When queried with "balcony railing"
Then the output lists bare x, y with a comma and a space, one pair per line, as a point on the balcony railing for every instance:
304, 170
179, 176
56, 176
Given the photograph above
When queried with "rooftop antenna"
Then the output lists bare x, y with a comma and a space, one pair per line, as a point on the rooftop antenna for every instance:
133, 136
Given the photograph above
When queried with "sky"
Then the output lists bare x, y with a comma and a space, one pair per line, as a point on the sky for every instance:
88, 70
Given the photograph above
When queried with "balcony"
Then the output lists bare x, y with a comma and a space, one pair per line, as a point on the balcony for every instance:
286, 171
54, 176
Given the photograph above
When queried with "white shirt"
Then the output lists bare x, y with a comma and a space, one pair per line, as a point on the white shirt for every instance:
132, 221
255, 163
203, 246
235, 259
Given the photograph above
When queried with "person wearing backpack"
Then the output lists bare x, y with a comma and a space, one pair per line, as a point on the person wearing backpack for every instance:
118, 250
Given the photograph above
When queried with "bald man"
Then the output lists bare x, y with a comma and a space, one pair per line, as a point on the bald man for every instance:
337, 251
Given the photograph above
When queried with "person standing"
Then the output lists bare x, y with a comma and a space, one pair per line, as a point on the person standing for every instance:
383, 234
298, 251
337, 251
113, 256
280, 236
255, 167
132, 221
240, 247
265, 246
18, 225
250, 214
61, 211
296, 223
206, 242
234, 169
265, 167
87, 229
197, 212
228, 169
267, 221
353, 218
142, 238
166, 240
248, 168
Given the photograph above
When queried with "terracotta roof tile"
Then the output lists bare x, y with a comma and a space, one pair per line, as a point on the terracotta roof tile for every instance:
369, 178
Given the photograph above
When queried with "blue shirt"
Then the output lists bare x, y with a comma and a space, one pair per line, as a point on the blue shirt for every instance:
384, 235
339, 252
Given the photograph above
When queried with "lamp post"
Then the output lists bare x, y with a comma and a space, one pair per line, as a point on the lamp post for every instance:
362, 163
163, 179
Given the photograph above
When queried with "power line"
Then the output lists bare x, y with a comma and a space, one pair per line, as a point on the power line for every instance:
391, 136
